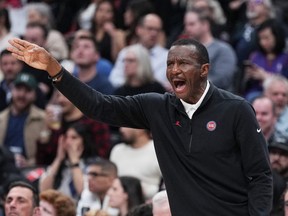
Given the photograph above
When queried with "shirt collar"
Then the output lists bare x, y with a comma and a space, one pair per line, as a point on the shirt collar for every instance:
188, 107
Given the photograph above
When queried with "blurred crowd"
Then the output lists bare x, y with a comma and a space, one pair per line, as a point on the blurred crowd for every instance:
59, 162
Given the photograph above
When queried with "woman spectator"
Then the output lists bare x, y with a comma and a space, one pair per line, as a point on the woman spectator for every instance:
110, 39
138, 73
54, 203
269, 59
66, 171
125, 193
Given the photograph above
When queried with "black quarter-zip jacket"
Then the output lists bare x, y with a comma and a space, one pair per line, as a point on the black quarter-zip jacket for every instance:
213, 164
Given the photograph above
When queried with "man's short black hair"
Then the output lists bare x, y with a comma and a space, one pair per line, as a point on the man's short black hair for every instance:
5, 52
26, 184
201, 50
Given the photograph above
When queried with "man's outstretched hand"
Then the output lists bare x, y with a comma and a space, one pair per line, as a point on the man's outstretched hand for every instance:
34, 55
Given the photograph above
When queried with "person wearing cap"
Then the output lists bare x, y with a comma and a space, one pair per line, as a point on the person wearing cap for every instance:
22, 121
278, 153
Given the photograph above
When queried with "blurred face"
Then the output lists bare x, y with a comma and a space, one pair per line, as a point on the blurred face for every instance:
278, 93
267, 40
74, 139
193, 26
279, 160
149, 32
98, 181
117, 195
19, 202
185, 74
35, 35
128, 17
104, 13
255, 9
84, 53
10, 67
130, 65
22, 97
264, 114
203, 7
129, 135
47, 209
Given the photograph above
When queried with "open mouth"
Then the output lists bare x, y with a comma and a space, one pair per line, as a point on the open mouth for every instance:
179, 85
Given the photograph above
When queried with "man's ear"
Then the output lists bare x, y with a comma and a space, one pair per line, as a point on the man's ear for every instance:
204, 70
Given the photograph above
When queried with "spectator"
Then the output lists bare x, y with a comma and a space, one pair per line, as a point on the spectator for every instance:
11, 67
100, 176
85, 54
22, 121
270, 58
213, 10
134, 11
125, 193
160, 204
22, 199
266, 117
138, 149
66, 171
48, 141
276, 88
110, 40
55, 203
40, 12
223, 62
138, 72
148, 31
103, 66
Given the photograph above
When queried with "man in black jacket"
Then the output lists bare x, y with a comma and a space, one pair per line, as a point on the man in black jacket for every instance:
210, 148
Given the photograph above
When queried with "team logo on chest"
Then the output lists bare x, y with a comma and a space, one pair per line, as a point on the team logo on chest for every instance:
211, 126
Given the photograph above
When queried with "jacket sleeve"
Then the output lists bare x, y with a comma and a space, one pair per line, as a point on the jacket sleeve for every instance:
255, 160
113, 110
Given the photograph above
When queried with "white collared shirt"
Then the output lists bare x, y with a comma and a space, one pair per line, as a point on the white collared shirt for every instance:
191, 108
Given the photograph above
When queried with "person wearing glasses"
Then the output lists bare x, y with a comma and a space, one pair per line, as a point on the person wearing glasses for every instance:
100, 175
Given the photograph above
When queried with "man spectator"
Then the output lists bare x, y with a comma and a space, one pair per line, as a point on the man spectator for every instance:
85, 55
22, 199
22, 121
10, 66
148, 30
160, 204
138, 149
100, 175
266, 117
70, 114
276, 88
222, 56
